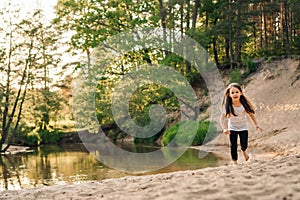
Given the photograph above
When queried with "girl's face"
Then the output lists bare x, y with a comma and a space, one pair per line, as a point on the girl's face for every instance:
235, 93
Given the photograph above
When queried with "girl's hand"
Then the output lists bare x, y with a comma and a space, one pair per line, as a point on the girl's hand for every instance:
259, 128
226, 131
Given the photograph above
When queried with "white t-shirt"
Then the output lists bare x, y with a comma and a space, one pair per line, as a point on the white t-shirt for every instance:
238, 122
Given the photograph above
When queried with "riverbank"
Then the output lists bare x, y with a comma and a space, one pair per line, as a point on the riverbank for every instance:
274, 178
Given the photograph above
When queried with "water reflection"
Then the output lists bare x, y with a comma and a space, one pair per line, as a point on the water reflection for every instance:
52, 165
72, 164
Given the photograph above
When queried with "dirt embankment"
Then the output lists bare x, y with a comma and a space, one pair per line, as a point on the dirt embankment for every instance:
274, 90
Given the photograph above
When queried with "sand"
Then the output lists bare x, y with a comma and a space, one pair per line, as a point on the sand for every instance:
276, 178
273, 171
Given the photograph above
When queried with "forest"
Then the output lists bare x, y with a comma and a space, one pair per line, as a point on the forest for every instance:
40, 59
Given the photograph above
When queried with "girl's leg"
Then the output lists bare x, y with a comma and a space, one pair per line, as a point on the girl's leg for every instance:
233, 146
244, 143
245, 155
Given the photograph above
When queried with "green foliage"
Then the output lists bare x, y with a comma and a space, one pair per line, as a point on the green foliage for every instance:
31, 140
201, 35
230, 33
235, 76
141, 102
32, 45
49, 137
170, 133
103, 102
46, 107
202, 132
94, 21
25, 135
251, 66
173, 60
112, 135
296, 44
148, 95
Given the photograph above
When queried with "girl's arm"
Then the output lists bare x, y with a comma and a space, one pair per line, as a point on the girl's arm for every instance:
252, 116
224, 123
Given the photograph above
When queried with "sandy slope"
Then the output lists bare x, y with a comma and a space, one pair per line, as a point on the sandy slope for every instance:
273, 171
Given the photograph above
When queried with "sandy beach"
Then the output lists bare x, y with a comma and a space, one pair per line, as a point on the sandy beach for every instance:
273, 171
275, 178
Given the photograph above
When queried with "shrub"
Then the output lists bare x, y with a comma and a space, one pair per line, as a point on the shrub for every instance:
31, 140
235, 76
112, 135
186, 137
49, 137
251, 66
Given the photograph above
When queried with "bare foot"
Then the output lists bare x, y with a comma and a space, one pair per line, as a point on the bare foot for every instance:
234, 162
245, 155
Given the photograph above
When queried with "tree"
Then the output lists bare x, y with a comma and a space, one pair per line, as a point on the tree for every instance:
47, 103
93, 21
28, 51
19, 58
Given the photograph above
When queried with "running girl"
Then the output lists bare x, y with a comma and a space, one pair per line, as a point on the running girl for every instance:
234, 121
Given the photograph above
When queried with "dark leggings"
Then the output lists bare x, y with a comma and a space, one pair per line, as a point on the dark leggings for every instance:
233, 142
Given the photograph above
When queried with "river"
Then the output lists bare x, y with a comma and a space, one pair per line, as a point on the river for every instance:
73, 164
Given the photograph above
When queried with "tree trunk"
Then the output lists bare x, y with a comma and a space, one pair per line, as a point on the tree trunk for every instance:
162, 12
261, 26
88, 56
265, 29
230, 35
215, 50
286, 28
9, 118
214, 41
281, 27
195, 13
19, 116
181, 18
163, 16
254, 36
188, 17
237, 57
7, 95
227, 50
